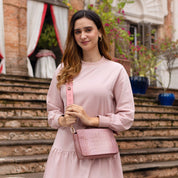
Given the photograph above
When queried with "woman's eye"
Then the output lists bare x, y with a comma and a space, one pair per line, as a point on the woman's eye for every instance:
77, 32
88, 30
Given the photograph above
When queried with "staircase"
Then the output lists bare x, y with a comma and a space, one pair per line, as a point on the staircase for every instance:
148, 149
25, 138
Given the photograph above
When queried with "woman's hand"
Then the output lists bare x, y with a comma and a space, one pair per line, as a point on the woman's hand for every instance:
76, 111
66, 121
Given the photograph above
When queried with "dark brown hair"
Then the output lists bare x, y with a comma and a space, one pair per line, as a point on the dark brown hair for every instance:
73, 53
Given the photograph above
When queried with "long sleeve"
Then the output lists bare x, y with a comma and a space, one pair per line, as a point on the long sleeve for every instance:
123, 117
55, 106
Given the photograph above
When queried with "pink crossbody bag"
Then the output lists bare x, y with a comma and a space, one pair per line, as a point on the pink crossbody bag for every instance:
92, 143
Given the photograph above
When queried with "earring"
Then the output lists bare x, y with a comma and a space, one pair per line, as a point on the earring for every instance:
100, 39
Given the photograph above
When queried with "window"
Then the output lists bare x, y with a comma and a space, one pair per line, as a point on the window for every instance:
145, 33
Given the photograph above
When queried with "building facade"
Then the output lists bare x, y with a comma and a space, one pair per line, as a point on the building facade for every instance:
20, 28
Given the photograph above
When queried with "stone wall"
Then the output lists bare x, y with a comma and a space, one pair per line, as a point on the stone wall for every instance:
166, 30
15, 27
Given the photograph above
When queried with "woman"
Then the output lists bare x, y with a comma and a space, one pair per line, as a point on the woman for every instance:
102, 97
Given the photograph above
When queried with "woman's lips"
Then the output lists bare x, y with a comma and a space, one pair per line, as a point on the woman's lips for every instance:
85, 42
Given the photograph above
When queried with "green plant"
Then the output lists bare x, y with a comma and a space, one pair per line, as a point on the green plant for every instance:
144, 61
48, 37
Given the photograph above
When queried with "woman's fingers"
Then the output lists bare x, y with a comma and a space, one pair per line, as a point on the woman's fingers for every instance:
74, 107
73, 113
78, 111
67, 121
70, 120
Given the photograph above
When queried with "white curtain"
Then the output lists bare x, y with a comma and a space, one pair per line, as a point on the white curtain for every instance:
2, 48
60, 21
36, 12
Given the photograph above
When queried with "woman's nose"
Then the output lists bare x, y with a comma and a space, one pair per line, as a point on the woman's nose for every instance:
83, 35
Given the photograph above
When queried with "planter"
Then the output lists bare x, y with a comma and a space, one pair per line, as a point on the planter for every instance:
166, 99
139, 84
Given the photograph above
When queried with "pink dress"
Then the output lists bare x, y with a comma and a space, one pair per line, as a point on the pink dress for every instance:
103, 89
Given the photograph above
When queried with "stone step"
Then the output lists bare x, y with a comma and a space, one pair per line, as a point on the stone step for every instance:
152, 108
19, 121
12, 79
47, 139
162, 173
145, 101
16, 122
27, 133
22, 102
11, 133
147, 142
155, 115
155, 122
38, 147
163, 169
24, 147
124, 143
41, 111
36, 163
33, 99
135, 156
145, 96
22, 164
23, 88
28, 175
23, 111
150, 131
23, 95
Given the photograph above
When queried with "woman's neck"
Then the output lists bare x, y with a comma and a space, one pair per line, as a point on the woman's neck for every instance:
91, 57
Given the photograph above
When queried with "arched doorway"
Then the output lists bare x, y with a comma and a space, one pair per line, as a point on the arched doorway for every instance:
46, 29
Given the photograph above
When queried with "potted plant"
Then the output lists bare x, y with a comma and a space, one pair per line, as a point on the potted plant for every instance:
168, 52
143, 66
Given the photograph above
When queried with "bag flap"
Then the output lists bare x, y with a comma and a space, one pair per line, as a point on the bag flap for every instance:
97, 141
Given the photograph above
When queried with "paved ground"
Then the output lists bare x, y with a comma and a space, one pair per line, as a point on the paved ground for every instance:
32, 175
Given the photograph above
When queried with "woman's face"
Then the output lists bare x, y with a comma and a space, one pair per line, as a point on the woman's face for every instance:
86, 34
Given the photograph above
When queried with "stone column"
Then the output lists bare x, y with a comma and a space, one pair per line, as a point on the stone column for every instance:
15, 27
175, 22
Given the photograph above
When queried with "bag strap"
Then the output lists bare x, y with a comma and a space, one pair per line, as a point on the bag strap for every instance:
70, 100
69, 93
